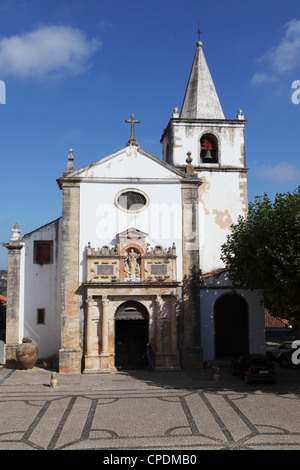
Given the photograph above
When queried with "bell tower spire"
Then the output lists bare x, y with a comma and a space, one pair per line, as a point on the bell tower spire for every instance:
201, 100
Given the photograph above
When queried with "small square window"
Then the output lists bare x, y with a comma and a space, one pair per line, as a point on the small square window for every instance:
43, 252
40, 316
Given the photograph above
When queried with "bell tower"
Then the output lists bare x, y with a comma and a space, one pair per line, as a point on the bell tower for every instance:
217, 148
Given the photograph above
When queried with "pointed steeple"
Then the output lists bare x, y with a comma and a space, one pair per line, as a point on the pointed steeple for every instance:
201, 99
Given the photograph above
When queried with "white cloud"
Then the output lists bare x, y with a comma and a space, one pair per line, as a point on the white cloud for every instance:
286, 56
282, 58
48, 51
281, 173
259, 78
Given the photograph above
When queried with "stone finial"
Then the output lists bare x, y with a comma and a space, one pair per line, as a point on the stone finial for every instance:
70, 164
175, 113
189, 166
240, 115
15, 242
15, 232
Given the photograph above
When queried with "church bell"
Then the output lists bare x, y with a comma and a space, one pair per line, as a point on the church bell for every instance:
208, 157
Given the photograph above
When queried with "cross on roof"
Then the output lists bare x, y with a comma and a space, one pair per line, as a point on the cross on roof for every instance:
132, 121
199, 32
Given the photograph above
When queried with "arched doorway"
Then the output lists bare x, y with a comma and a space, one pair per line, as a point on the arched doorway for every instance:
231, 326
131, 335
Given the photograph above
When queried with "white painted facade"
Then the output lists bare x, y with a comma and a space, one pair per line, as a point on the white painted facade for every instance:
130, 168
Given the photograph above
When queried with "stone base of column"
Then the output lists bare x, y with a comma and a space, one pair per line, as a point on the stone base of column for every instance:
166, 361
103, 362
192, 358
11, 352
70, 361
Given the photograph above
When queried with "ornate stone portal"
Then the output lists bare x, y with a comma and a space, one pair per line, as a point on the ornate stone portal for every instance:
130, 271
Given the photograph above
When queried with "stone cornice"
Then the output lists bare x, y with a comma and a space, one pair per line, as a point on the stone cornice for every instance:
131, 284
235, 169
76, 180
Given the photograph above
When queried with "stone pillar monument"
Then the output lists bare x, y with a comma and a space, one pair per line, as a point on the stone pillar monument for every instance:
13, 338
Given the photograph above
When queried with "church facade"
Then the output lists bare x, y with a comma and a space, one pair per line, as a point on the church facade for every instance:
135, 256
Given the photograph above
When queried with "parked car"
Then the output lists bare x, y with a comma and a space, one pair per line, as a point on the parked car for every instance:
285, 358
276, 351
254, 367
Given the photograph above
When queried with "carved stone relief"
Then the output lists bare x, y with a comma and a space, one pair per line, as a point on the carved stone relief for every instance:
131, 260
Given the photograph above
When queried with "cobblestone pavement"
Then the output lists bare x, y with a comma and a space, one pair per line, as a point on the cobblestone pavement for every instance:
182, 411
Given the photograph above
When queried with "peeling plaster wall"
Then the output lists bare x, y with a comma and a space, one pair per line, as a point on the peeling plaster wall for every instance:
220, 205
223, 189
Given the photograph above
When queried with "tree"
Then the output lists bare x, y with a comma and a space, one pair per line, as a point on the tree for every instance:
263, 252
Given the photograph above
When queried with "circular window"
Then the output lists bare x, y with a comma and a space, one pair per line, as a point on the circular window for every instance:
131, 200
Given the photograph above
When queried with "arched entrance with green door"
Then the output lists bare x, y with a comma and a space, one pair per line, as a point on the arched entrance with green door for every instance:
131, 335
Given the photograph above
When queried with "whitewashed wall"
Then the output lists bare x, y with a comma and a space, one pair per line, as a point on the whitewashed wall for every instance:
101, 220
223, 191
186, 136
41, 288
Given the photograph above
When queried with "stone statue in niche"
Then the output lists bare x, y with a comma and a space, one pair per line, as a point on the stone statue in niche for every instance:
132, 265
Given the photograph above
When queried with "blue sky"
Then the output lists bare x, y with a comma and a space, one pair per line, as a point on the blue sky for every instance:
74, 70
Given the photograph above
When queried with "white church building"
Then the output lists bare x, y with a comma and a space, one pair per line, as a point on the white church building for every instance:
135, 255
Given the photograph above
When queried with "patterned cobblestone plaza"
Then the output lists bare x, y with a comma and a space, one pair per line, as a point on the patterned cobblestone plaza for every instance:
163, 411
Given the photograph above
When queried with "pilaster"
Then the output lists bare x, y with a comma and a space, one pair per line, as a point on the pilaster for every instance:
70, 354
192, 351
13, 326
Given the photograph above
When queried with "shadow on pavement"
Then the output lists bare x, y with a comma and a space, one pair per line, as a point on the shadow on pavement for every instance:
288, 380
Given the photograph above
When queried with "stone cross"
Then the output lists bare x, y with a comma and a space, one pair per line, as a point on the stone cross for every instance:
199, 33
132, 121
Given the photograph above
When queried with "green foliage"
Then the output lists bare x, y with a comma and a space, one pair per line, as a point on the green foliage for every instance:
263, 252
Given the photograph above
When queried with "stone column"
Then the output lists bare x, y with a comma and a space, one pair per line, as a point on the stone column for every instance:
106, 357
89, 327
70, 354
13, 326
157, 317
192, 351
104, 329
160, 324
173, 324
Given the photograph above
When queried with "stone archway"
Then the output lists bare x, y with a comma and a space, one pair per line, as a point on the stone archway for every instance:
131, 335
231, 326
